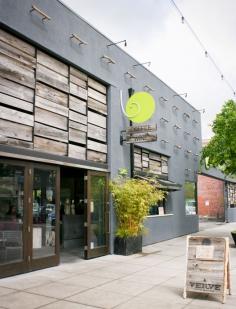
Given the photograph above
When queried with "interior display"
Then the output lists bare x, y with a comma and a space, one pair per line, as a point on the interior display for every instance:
44, 212
11, 213
231, 194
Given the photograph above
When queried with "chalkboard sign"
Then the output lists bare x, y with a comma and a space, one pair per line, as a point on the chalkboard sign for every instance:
208, 268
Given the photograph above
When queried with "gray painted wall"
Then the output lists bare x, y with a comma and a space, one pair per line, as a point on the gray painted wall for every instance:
54, 37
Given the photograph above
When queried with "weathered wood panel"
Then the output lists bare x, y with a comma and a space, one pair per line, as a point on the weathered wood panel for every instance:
96, 119
17, 55
77, 136
137, 150
78, 81
55, 120
51, 106
50, 146
11, 69
14, 102
19, 143
51, 133
78, 91
16, 90
78, 74
78, 126
16, 116
52, 63
96, 156
77, 117
77, 105
97, 106
96, 146
52, 78
154, 156
15, 42
137, 160
97, 86
52, 94
16, 130
97, 95
97, 133
77, 152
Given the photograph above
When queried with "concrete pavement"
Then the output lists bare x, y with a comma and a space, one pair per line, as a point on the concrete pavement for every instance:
153, 279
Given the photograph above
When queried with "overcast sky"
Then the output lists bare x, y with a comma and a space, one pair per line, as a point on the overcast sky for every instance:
154, 32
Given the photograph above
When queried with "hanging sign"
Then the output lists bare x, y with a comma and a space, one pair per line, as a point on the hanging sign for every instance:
140, 107
139, 134
208, 269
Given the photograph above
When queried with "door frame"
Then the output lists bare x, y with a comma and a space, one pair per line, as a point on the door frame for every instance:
28, 263
103, 250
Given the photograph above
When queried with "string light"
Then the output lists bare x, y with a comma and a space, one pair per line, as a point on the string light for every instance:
184, 21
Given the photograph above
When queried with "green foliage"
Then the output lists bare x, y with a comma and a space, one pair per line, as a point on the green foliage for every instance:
132, 200
221, 150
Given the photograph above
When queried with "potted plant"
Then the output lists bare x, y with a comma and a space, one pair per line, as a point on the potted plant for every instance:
132, 200
233, 233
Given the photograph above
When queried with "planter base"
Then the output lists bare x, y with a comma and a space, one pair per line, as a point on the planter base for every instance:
128, 245
234, 237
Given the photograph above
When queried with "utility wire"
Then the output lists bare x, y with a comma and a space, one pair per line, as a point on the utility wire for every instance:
184, 21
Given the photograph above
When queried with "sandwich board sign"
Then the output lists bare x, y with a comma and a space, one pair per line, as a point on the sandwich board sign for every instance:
208, 269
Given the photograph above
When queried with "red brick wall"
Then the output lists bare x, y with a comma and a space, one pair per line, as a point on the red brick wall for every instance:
211, 190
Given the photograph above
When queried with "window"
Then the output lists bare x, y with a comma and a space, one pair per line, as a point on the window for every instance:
190, 198
158, 209
147, 161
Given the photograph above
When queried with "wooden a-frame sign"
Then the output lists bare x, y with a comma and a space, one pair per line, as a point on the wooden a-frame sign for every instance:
208, 266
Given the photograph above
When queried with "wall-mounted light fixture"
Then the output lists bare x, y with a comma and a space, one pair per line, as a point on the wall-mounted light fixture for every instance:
40, 12
199, 110
175, 108
148, 63
108, 59
176, 127
163, 99
186, 133
164, 120
123, 41
196, 156
130, 74
186, 116
181, 94
178, 146
195, 138
187, 152
77, 39
148, 88
164, 141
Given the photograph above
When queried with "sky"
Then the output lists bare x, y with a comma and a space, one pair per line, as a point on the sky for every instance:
154, 32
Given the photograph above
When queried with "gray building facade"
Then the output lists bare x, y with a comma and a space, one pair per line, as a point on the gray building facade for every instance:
58, 33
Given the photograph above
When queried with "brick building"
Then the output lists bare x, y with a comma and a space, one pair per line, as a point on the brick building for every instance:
211, 198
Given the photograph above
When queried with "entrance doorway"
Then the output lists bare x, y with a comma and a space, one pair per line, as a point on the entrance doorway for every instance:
28, 216
84, 213
72, 213
38, 215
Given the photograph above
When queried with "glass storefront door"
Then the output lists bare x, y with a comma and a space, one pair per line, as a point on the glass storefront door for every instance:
97, 215
29, 217
44, 217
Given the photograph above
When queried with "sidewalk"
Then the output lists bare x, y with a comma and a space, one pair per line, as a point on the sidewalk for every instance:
153, 279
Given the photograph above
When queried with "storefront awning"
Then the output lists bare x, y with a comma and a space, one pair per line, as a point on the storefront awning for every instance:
162, 184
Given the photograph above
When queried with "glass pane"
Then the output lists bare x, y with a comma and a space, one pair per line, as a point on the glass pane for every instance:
44, 212
11, 213
97, 208
190, 198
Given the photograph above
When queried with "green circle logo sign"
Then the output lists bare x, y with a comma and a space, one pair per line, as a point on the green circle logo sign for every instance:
140, 107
